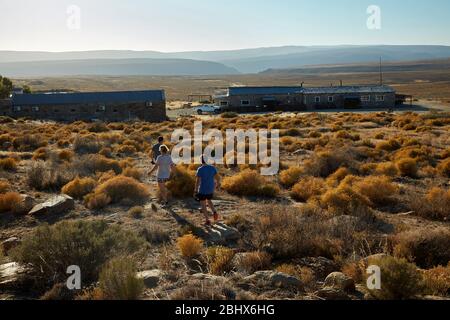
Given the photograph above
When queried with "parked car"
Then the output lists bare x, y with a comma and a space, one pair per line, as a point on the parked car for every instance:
205, 109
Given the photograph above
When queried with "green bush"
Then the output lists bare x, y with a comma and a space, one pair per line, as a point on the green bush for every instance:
400, 280
50, 250
118, 280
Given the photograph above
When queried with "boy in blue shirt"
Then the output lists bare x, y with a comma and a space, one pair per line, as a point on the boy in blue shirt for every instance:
205, 186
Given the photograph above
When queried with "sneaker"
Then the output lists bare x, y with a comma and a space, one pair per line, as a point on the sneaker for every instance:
216, 217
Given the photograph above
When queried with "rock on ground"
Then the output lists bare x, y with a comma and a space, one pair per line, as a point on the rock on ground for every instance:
59, 204
10, 275
221, 234
340, 281
328, 293
151, 278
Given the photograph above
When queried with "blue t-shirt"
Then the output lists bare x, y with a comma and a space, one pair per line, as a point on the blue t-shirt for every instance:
206, 174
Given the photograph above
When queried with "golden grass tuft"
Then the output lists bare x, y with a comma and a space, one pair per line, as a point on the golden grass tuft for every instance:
8, 164
307, 188
10, 201
182, 182
250, 183
291, 176
79, 187
190, 246
407, 167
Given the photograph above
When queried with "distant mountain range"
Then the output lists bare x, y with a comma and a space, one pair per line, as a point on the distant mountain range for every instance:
121, 62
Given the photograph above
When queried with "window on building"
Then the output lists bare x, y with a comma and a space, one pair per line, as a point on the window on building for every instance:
380, 98
55, 110
73, 110
35, 109
17, 109
101, 107
330, 99
365, 98
224, 103
317, 99
115, 110
149, 104
245, 102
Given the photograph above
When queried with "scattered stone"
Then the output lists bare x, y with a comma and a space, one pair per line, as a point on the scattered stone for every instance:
59, 204
151, 278
221, 234
10, 275
328, 293
208, 277
276, 279
9, 244
338, 280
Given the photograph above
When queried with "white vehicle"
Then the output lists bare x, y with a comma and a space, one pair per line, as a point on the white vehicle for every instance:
205, 109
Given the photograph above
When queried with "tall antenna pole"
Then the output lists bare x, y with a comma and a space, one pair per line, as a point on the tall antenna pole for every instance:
381, 73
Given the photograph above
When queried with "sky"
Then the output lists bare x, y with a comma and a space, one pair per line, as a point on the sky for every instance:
200, 25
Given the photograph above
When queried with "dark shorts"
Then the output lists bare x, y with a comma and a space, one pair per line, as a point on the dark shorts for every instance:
163, 180
203, 197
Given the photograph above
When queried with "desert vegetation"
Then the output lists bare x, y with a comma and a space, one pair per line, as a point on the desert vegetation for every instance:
353, 190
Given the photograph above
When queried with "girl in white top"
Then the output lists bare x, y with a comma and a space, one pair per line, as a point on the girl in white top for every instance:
165, 165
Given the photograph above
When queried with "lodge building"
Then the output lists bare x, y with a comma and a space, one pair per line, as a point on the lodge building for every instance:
299, 98
149, 105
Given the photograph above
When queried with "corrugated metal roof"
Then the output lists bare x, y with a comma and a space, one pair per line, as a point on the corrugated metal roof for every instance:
349, 90
263, 90
88, 97
318, 90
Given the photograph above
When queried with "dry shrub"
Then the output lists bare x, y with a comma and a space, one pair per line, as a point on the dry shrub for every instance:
344, 200
136, 212
10, 202
94, 163
378, 189
96, 201
400, 279
66, 155
305, 274
86, 144
105, 176
28, 142
79, 187
190, 246
123, 188
106, 152
335, 179
4, 186
118, 280
288, 232
97, 127
389, 146
437, 281
426, 248
127, 150
41, 154
48, 176
325, 163
307, 188
387, 169
435, 205
251, 262
219, 260
8, 164
49, 250
444, 168
133, 173
155, 234
182, 182
207, 290
250, 183
407, 167
291, 176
